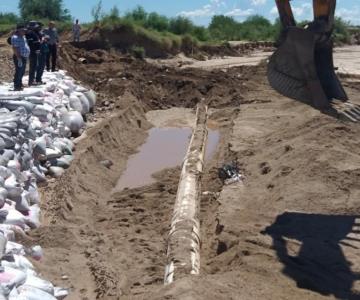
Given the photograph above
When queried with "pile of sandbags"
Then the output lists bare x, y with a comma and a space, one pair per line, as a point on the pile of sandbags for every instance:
36, 125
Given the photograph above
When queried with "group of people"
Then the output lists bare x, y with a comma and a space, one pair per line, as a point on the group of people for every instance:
39, 47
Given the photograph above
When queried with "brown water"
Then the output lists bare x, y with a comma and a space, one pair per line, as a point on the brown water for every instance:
164, 148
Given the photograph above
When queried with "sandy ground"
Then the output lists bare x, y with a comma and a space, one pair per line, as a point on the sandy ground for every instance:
290, 231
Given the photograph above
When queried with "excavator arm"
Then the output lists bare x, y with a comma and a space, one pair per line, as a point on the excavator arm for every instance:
302, 67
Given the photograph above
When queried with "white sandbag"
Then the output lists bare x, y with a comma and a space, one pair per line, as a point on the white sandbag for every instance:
75, 103
3, 242
53, 153
20, 262
60, 293
31, 188
15, 218
38, 173
91, 96
33, 217
84, 103
10, 278
31, 293
8, 234
13, 187
33, 91
56, 171
74, 121
35, 100
8, 140
22, 203
13, 105
3, 196
41, 284
36, 253
5, 172
67, 90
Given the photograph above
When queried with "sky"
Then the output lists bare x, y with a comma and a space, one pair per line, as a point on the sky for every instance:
201, 11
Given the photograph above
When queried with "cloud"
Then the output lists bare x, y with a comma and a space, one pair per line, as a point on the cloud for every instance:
303, 11
352, 15
208, 10
258, 2
238, 12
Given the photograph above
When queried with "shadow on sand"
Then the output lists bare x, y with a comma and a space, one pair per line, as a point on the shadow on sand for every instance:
320, 264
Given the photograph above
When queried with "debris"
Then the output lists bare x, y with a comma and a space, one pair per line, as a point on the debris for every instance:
230, 173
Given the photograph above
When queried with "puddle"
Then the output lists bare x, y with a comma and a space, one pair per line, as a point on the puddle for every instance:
164, 148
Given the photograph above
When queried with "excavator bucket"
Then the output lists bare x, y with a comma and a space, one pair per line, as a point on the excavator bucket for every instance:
302, 67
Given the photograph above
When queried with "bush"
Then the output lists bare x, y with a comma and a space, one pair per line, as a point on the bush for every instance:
138, 52
9, 18
341, 31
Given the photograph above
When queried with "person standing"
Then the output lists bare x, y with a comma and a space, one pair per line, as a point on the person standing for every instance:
51, 31
21, 52
76, 31
33, 38
44, 51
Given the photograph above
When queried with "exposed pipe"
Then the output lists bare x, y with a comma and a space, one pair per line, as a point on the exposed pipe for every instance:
183, 244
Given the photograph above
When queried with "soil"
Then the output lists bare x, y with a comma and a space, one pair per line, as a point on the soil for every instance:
289, 231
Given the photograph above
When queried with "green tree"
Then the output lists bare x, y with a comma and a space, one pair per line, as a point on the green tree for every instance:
49, 9
96, 11
138, 14
8, 18
224, 28
181, 25
157, 22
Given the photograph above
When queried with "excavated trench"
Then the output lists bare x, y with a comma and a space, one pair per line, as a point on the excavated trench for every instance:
107, 219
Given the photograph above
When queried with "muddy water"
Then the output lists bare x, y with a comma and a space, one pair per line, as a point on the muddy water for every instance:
164, 148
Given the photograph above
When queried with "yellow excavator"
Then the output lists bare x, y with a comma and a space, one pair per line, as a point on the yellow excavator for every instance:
302, 67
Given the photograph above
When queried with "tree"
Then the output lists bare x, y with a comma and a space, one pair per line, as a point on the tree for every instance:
138, 14
96, 11
49, 9
157, 22
181, 25
8, 18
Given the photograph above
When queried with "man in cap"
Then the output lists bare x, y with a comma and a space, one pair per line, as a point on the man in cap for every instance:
21, 53
51, 31
33, 37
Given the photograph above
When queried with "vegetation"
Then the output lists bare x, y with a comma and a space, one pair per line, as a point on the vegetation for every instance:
49, 9
178, 32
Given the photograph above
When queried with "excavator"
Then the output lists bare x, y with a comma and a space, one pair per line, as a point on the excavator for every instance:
302, 67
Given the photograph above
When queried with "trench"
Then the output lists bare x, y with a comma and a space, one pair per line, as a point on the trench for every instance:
111, 223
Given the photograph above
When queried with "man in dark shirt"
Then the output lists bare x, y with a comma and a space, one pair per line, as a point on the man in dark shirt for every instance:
33, 37
51, 31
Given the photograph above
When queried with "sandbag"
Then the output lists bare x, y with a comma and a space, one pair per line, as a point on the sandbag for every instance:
41, 284
60, 293
33, 218
31, 293
10, 278
15, 218
20, 262
35, 99
56, 171
53, 153
91, 96
13, 187
13, 105
84, 103
75, 103
74, 121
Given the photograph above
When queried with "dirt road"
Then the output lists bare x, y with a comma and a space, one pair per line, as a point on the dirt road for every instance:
290, 231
